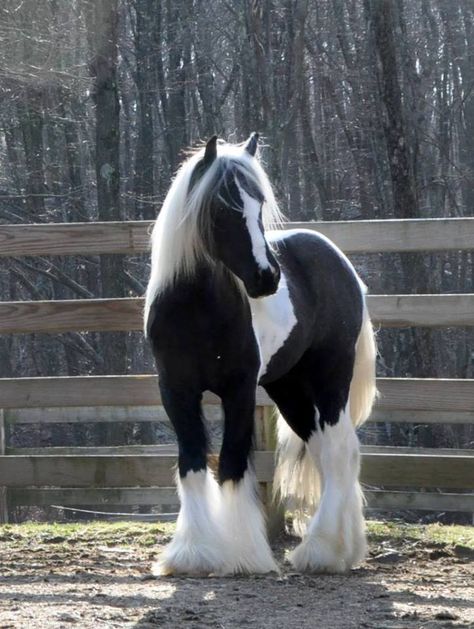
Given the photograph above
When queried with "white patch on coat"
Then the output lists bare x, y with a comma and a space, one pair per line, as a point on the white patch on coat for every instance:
198, 546
242, 520
252, 210
273, 319
335, 536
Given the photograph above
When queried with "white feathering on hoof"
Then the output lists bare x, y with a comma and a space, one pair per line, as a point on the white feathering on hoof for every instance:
198, 546
316, 554
297, 481
244, 525
335, 536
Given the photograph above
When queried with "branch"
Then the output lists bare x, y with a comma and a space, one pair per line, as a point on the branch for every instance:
31, 288
77, 342
134, 284
57, 276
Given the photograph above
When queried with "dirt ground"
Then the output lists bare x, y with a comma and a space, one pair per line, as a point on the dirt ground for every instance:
97, 575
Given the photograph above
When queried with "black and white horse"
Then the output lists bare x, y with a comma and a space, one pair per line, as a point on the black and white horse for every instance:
229, 306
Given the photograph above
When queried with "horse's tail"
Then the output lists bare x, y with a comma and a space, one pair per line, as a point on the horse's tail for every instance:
296, 480
363, 389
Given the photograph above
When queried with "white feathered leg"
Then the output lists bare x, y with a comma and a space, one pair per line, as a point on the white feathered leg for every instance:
243, 522
335, 537
198, 546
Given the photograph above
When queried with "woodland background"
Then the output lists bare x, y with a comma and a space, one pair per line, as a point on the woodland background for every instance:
366, 108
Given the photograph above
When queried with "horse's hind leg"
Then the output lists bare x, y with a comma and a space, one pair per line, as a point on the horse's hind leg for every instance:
240, 509
198, 545
335, 537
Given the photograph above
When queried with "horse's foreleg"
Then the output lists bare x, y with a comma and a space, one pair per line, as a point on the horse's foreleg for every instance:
197, 546
241, 513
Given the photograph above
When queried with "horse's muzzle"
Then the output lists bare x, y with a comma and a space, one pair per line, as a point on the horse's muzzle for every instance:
264, 282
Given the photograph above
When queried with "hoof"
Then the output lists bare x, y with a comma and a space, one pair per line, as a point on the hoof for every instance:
249, 566
317, 555
188, 560
163, 568
358, 553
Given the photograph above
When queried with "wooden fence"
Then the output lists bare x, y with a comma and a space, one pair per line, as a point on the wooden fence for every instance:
132, 475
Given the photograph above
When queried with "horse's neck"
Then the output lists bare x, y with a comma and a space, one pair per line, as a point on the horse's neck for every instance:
212, 290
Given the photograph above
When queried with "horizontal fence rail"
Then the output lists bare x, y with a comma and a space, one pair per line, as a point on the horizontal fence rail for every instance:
156, 413
167, 498
126, 314
419, 500
172, 449
132, 237
396, 394
387, 469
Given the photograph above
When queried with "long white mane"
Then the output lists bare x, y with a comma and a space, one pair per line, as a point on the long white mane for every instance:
176, 241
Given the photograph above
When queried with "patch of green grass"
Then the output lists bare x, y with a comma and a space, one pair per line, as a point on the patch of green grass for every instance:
147, 534
106, 533
425, 533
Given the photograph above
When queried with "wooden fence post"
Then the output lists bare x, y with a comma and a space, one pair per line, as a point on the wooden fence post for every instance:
265, 439
3, 449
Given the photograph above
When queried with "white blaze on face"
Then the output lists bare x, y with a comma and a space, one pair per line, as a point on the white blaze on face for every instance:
251, 212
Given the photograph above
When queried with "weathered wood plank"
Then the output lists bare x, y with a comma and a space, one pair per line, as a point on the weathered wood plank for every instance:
90, 414
156, 496
93, 414
417, 394
70, 315
386, 470
423, 501
160, 448
112, 414
401, 311
167, 497
132, 237
376, 449
411, 416
396, 394
103, 470
418, 470
402, 235
126, 314
141, 390
268, 443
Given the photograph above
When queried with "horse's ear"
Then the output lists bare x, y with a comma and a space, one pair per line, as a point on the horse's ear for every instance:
252, 144
210, 153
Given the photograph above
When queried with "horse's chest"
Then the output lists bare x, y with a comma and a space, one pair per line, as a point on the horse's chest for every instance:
273, 319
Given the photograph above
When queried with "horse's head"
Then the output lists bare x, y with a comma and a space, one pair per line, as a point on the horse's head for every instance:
232, 226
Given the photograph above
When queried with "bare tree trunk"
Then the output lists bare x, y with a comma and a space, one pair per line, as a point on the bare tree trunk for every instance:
381, 16
296, 16
30, 111
314, 178
175, 129
144, 185
102, 30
